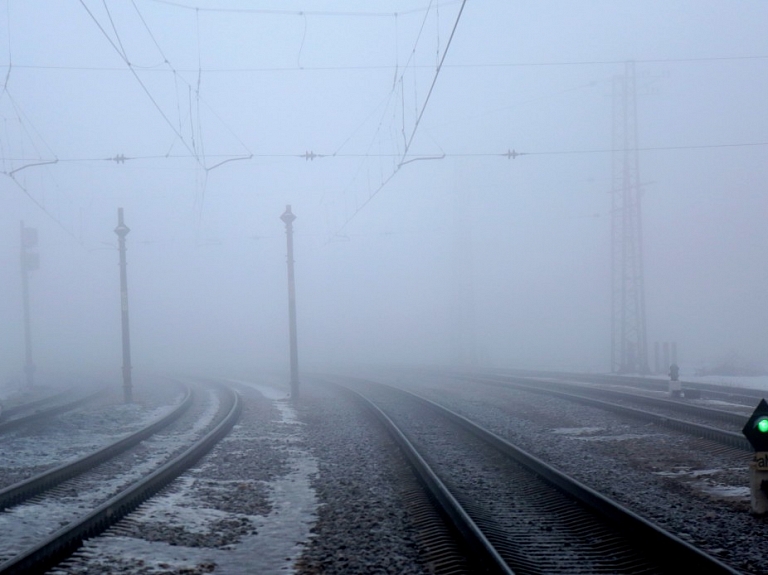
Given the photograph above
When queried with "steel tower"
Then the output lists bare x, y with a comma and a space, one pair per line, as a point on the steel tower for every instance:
629, 352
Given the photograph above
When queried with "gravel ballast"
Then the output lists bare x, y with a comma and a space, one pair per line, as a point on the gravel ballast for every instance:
315, 489
318, 488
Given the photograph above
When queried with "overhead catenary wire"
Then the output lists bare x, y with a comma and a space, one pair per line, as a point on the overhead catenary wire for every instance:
38, 161
402, 160
11, 169
265, 11
196, 145
365, 67
10, 52
198, 157
114, 29
198, 151
199, 70
29, 163
398, 81
141, 83
37, 203
311, 156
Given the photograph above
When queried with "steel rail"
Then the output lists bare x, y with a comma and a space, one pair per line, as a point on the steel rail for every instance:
729, 438
28, 488
746, 394
672, 552
66, 541
22, 407
699, 410
43, 414
472, 539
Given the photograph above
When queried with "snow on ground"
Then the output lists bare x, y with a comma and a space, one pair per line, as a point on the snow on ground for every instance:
274, 541
23, 524
81, 433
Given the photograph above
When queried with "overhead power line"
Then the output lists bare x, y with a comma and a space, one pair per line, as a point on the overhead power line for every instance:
161, 67
404, 155
510, 154
152, 99
302, 13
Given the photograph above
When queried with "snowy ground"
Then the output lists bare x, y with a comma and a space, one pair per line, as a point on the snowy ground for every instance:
197, 525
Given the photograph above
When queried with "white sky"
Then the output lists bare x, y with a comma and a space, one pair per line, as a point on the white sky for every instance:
178, 87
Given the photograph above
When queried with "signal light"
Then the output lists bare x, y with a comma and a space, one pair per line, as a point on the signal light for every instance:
756, 428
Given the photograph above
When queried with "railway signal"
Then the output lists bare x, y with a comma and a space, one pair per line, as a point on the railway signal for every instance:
756, 432
756, 428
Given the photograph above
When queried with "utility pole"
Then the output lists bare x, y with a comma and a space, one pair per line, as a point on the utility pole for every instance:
29, 261
288, 218
122, 230
629, 353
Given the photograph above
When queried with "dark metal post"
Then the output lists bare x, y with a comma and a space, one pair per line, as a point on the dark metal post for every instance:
28, 262
288, 218
122, 230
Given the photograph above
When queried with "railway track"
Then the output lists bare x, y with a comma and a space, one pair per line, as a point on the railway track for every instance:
41, 410
745, 395
664, 414
515, 513
15, 407
38, 484
114, 487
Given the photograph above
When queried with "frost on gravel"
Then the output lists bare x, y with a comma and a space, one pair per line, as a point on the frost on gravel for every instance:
244, 509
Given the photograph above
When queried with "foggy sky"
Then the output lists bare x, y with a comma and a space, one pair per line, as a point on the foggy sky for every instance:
512, 253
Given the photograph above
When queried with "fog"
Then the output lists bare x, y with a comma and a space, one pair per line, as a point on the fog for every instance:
417, 240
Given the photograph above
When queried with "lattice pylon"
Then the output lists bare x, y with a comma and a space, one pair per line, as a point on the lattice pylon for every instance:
629, 351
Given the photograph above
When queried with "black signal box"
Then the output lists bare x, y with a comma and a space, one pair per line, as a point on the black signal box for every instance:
756, 428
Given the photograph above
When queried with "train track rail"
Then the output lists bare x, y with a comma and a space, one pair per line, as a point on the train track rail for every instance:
15, 409
53, 548
736, 416
34, 486
513, 512
586, 396
39, 411
745, 395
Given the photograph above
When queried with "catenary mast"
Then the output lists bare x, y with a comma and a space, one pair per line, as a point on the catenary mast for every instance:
629, 352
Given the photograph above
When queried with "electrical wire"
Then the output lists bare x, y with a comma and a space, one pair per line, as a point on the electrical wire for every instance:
554, 63
509, 154
142, 85
402, 160
199, 98
389, 98
10, 53
43, 208
434, 80
263, 11
114, 29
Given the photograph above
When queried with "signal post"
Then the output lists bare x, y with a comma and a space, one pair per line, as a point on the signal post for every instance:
756, 432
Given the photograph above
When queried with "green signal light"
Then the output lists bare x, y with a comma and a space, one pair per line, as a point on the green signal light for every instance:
762, 425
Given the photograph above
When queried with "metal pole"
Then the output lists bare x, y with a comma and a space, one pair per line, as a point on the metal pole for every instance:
122, 230
288, 218
29, 365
